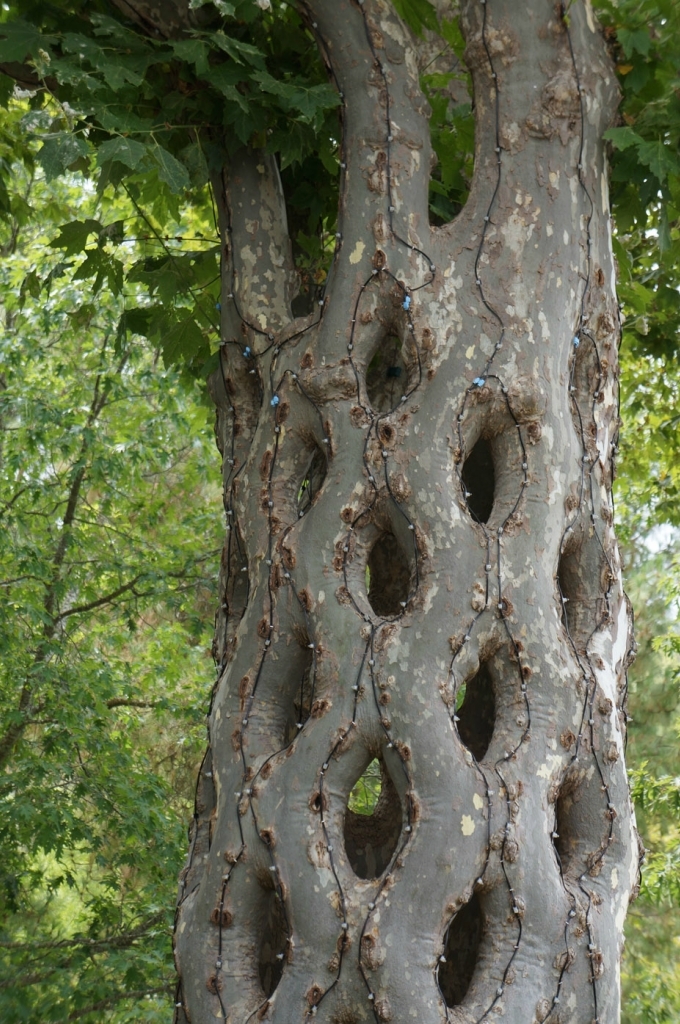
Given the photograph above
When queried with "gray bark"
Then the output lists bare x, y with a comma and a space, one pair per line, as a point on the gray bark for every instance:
448, 418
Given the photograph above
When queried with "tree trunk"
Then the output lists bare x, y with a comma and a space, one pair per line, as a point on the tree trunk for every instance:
420, 565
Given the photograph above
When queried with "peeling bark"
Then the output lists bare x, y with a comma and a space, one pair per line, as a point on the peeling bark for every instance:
475, 483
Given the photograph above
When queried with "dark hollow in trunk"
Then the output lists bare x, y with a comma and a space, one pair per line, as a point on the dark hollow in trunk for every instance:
272, 945
480, 481
386, 375
477, 713
389, 576
371, 839
463, 936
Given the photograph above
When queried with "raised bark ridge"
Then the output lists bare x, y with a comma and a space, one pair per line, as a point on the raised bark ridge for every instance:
447, 419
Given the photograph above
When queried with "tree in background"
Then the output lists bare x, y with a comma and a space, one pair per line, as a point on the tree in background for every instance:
109, 540
339, 665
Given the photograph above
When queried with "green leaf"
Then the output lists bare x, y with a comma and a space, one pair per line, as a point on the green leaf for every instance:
133, 321
118, 75
126, 151
31, 285
183, 342
622, 138
636, 40
171, 171
102, 267
59, 152
659, 157
115, 118
193, 51
237, 49
450, 30
225, 77
73, 236
307, 100
19, 40
418, 14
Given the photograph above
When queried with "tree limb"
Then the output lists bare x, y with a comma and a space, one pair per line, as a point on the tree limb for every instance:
112, 1000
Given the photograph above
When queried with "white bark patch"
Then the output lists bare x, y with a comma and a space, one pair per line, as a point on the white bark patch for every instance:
357, 252
604, 192
606, 677
621, 917
399, 653
430, 596
478, 801
467, 825
552, 763
557, 489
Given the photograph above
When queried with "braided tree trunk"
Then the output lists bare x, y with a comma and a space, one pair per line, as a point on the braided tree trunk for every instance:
420, 564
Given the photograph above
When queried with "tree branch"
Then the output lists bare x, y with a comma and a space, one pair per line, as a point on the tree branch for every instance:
386, 150
80, 609
128, 702
254, 232
125, 939
112, 1000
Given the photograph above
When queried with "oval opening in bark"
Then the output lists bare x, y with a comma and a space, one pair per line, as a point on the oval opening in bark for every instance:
312, 479
581, 582
479, 481
461, 947
273, 944
476, 711
567, 589
584, 376
235, 561
386, 375
565, 832
373, 822
388, 576
303, 696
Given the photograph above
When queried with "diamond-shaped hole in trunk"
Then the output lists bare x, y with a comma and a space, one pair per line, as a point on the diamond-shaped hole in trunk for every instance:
479, 480
302, 697
313, 477
461, 946
569, 844
582, 579
386, 375
476, 710
388, 576
273, 944
373, 822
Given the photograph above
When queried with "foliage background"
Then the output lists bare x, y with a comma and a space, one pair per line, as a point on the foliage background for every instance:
110, 509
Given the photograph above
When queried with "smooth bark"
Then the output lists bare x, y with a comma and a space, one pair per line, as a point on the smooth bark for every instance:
448, 418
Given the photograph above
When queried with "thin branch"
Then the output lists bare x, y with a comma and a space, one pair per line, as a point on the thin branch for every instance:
125, 939
8, 504
80, 609
111, 1000
128, 702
